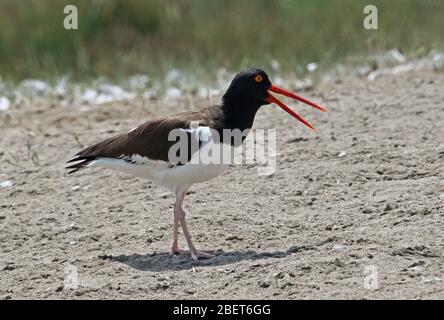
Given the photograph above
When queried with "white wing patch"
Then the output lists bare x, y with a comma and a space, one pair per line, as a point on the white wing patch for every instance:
203, 134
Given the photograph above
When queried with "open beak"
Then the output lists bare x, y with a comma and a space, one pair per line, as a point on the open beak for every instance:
292, 95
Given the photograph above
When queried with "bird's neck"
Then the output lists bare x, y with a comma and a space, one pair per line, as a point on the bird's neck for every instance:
239, 114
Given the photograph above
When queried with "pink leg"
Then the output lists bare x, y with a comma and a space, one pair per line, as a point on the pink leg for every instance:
195, 254
176, 213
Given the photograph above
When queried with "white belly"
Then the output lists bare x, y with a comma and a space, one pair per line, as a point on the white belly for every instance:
161, 173
190, 173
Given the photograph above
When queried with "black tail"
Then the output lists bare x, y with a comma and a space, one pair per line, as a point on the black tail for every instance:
83, 162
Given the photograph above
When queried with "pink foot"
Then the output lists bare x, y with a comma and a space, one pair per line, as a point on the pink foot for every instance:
195, 255
177, 250
201, 254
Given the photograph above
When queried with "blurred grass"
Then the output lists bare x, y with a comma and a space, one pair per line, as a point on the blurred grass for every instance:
122, 37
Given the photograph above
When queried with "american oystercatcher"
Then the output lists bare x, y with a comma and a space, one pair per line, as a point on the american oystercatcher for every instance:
145, 151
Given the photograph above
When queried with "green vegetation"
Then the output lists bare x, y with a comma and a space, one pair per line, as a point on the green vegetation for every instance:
123, 37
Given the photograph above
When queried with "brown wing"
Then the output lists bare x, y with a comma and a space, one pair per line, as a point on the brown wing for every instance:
148, 140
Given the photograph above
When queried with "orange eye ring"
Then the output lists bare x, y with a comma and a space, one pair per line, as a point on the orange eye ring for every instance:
258, 78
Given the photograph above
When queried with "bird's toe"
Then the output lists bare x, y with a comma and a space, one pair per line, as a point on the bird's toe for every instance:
201, 254
177, 251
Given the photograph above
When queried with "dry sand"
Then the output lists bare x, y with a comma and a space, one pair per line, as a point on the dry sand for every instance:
364, 191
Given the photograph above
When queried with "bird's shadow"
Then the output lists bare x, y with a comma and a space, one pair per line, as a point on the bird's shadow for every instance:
158, 262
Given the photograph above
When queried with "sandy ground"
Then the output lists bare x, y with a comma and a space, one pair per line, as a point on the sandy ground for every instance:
361, 198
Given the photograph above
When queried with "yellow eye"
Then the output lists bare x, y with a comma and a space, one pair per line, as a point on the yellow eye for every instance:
258, 78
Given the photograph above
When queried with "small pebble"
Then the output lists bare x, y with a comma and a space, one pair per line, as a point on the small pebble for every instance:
6, 184
418, 269
339, 263
338, 248
162, 285
285, 284
264, 283
4, 103
234, 237
9, 267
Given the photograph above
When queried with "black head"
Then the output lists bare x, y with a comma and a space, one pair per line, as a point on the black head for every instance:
249, 89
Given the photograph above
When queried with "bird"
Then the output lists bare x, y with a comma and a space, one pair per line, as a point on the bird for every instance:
145, 151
